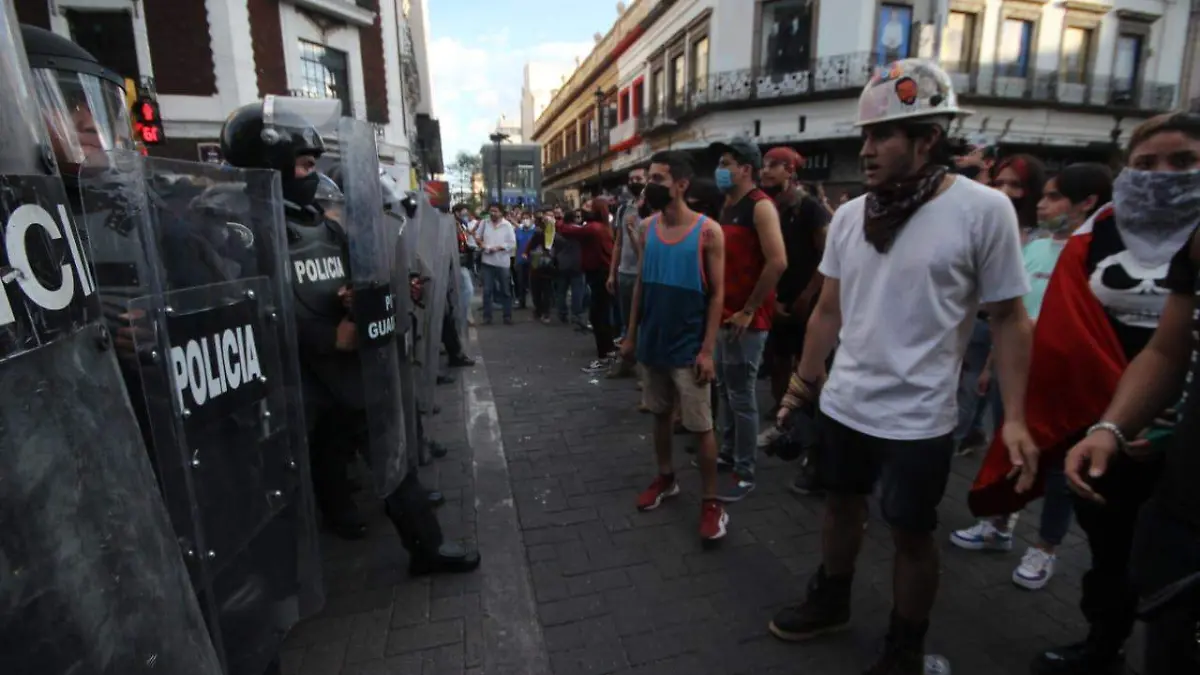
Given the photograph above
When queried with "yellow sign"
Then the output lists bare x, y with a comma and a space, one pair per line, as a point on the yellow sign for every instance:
130, 93
413, 183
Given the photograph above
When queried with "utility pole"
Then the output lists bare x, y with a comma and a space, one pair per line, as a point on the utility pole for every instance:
599, 133
942, 14
498, 138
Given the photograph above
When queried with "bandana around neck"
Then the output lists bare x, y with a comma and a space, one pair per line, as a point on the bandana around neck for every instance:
889, 207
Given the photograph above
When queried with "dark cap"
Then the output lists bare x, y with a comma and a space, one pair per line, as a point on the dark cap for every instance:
743, 150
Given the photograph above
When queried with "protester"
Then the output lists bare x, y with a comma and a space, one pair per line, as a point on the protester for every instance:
541, 267
626, 255
901, 307
673, 331
568, 262
1021, 178
1108, 293
498, 241
466, 251
754, 261
1069, 200
595, 237
520, 266
1163, 186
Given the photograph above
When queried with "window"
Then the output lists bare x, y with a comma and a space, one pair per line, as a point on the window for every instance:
786, 30
623, 106
895, 33
1016, 41
678, 78
1076, 52
958, 42
639, 97
324, 74
658, 89
1128, 64
700, 64
108, 36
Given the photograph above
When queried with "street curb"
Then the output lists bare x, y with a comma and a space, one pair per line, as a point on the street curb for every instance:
513, 640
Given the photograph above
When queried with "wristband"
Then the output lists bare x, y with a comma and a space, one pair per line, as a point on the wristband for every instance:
1111, 428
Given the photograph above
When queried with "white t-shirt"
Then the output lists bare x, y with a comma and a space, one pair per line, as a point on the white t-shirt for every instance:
907, 314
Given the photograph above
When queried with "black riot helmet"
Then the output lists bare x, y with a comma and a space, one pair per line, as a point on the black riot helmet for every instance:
82, 102
263, 135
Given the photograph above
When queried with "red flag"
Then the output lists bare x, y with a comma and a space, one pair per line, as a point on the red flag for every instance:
1076, 363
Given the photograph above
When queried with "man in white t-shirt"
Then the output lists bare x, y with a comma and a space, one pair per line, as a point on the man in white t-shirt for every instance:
906, 267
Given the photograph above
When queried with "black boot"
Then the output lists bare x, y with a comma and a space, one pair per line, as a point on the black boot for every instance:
436, 450
903, 649
461, 361
825, 609
411, 512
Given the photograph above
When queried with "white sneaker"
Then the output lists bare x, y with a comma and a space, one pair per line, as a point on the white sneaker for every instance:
768, 435
982, 536
1035, 570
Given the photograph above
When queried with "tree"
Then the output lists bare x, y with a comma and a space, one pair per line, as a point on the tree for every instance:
464, 167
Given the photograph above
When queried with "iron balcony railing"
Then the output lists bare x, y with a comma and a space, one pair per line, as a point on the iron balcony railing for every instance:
845, 75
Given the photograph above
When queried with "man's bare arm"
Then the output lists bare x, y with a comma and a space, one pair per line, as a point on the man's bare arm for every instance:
813, 288
635, 308
713, 242
770, 238
1012, 337
822, 333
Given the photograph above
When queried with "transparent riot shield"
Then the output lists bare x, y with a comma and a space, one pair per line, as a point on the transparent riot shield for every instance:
434, 266
372, 247
455, 293
402, 281
91, 577
210, 358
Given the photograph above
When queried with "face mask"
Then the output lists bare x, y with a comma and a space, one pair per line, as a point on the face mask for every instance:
971, 171
658, 196
636, 188
724, 179
302, 191
1055, 225
772, 191
1156, 212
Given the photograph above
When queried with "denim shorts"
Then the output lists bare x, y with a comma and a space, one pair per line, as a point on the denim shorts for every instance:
911, 475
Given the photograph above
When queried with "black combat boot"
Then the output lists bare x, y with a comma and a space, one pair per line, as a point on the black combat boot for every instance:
903, 649
1089, 657
411, 512
825, 609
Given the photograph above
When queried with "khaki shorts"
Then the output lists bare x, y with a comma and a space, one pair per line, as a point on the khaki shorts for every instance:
662, 388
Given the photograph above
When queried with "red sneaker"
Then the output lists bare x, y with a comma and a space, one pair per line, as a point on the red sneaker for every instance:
660, 489
713, 520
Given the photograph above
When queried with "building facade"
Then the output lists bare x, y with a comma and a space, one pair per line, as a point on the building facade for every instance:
1066, 80
201, 59
521, 169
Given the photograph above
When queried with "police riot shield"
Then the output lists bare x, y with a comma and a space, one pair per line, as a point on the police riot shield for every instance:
403, 282
456, 300
192, 263
92, 580
434, 267
372, 247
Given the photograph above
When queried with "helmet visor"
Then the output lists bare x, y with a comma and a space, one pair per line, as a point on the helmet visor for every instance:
85, 115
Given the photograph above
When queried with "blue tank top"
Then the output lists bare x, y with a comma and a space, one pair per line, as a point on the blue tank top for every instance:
673, 306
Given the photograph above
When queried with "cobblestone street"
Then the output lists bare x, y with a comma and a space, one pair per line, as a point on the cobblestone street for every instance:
544, 467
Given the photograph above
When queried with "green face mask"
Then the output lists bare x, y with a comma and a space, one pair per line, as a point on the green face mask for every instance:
1055, 225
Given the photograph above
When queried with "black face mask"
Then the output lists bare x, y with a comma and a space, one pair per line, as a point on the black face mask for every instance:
658, 196
302, 191
644, 211
636, 188
772, 191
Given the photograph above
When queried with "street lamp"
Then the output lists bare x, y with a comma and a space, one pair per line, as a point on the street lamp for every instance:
498, 138
599, 135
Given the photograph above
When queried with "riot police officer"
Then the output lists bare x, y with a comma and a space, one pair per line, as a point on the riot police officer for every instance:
267, 135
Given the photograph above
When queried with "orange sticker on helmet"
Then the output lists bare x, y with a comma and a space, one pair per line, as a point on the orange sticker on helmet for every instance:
906, 90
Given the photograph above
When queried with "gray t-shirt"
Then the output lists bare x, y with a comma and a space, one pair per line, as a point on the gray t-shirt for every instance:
628, 264
907, 314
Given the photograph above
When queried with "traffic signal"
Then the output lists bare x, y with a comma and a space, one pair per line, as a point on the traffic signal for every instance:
147, 123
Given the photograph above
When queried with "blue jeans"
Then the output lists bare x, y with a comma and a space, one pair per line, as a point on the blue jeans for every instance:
972, 408
574, 283
737, 361
497, 280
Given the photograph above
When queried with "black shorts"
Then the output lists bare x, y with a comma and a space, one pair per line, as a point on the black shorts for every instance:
913, 473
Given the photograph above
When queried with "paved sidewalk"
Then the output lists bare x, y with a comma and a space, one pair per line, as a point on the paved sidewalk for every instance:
575, 580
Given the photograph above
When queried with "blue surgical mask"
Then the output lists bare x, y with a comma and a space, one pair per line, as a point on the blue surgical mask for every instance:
724, 179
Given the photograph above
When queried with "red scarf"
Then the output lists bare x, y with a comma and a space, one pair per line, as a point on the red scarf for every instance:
1076, 363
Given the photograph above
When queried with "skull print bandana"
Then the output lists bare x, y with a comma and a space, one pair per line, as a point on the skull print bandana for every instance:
1156, 212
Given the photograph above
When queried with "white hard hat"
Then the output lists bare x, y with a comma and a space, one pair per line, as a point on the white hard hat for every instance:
908, 89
